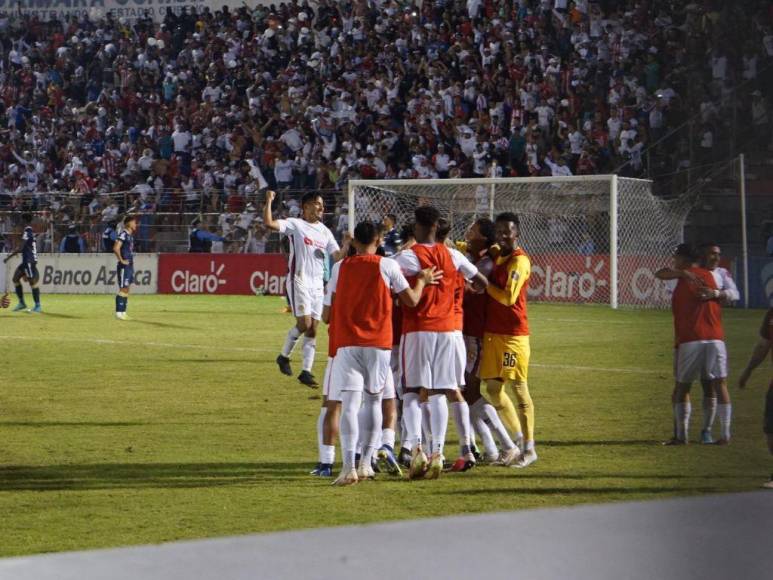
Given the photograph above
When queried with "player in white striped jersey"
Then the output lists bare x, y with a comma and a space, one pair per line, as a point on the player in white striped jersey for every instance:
311, 245
716, 397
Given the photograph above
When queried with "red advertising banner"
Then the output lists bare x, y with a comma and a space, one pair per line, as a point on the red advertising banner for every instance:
222, 273
576, 278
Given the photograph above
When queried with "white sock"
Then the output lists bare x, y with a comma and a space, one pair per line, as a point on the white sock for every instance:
372, 423
709, 412
438, 417
292, 337
426, 425
491, 418
412, 420
461, 412
320, 432
362, 422
328, 454
350, 405
403, 432
388, 438
489, 445
309, 348
682, 412
725, 412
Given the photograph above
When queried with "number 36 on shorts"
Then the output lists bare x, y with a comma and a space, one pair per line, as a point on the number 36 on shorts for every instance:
509, 360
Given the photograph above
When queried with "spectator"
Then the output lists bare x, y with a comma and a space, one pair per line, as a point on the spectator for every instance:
200, 240
392, 241
73, 242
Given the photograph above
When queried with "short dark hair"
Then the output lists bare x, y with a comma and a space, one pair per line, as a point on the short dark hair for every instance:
309, 197
366, 232
443, 229
427, 216
406, 232
129, 218
706, 245
486, 229
508, 216
391, 217
685, 251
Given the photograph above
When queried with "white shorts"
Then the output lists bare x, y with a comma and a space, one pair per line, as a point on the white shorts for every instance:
460, 358
326, 390
430, 360
389, 387
357, 368
305, 301
394, 365
702, 359
474, 347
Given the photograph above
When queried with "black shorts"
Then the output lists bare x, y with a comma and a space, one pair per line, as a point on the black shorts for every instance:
768, 427
28, 271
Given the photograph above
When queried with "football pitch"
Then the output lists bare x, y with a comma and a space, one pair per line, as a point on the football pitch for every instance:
177, 424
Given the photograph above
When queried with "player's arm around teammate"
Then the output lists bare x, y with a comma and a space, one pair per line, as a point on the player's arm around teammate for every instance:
361, 325
506, 350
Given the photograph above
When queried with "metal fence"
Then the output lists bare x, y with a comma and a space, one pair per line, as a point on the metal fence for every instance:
163, 226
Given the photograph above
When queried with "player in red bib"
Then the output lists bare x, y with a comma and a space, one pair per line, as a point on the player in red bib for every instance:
362, 326
428, 350
698, 333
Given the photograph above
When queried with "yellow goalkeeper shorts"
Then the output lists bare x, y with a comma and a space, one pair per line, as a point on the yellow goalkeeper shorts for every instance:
505, 357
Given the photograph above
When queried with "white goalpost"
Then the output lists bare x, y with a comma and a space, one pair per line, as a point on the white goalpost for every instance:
592, 239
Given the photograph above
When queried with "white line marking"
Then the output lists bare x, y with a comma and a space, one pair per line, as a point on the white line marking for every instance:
107, 341
633, 370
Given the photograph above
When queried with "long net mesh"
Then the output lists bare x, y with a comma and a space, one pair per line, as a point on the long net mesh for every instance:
565, 228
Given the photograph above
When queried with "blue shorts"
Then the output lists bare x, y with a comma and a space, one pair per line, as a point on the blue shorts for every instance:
125, 276
27, 270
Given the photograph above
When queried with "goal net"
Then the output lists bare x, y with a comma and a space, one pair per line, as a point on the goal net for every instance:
592, 239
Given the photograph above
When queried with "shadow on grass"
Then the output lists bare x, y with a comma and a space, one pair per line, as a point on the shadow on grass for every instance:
60, 315
162, 324
580, 443
208, 312
209, 360
606, 490
145, 475
46, 424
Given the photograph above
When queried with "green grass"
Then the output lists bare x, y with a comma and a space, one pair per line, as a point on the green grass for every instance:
177, 425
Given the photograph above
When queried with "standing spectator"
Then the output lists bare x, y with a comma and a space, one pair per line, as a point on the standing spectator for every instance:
200, 239
73, 242
392, 241
283, 172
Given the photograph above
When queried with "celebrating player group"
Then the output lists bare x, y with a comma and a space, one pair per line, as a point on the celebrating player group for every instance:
413, 333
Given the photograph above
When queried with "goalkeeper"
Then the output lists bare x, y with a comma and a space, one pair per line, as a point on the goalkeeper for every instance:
505, 359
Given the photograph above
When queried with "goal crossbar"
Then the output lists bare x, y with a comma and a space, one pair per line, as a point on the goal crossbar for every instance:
613, 215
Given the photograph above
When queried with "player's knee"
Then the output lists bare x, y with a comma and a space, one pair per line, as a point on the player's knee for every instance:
495, 390
310, 332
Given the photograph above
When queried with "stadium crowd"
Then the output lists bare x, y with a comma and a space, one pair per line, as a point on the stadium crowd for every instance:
200, 111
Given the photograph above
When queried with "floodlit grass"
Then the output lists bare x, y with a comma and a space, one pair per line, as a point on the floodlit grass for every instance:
178, 425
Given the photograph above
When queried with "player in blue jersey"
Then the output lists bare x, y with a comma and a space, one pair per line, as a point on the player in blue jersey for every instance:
124, 251
27, 270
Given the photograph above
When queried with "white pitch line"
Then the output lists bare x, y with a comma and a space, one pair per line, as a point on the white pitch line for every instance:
107, 341
633, 370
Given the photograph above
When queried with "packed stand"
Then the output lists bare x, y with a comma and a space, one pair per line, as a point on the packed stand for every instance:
200, 112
